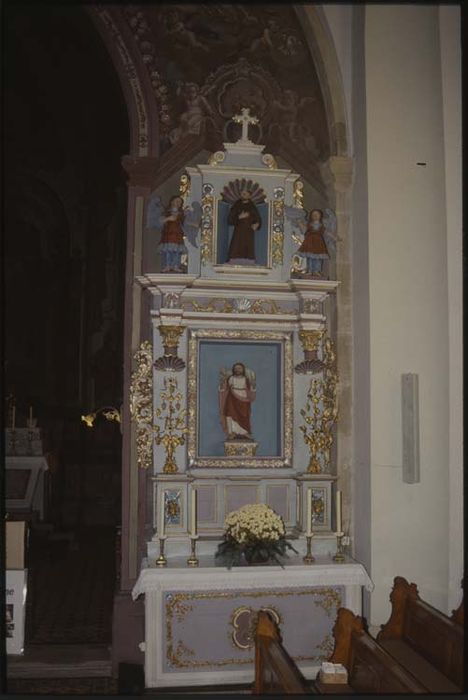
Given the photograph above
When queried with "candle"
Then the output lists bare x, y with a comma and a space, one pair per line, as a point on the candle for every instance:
338, 511
162, 516
13, 417
193, 527
309, 514
30, 416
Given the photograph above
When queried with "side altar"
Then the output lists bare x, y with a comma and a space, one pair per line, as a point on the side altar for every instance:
234, 400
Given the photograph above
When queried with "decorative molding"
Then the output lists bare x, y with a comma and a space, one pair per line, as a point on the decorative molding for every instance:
131, 74
141, 403
321, 411
241, 305
206, 244
173, 418
277, 234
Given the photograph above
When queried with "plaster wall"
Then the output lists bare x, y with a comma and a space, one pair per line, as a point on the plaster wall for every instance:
408, 298
450, 48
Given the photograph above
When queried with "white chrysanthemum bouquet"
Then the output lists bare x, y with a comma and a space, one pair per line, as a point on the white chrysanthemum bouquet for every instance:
255, 533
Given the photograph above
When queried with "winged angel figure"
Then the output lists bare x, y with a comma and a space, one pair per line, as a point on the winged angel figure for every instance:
319, 229
176, 224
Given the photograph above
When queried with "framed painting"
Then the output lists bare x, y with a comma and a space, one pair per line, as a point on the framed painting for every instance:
240, 402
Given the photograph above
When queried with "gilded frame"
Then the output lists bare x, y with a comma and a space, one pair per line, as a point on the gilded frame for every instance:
285, 340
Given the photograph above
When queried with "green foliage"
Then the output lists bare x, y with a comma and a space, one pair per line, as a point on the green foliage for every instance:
230, 553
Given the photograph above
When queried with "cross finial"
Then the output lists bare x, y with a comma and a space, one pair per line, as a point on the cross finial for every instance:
245, 119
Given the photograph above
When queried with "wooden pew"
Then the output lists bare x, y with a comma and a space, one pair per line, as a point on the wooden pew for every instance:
423, 640
275, 671
370, 668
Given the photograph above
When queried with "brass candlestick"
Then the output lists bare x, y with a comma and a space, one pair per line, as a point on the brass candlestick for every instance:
339, 556
192, 560
308, 558
161, 560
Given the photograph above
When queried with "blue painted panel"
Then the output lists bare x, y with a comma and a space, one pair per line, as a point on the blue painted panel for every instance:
265, 360
225, 234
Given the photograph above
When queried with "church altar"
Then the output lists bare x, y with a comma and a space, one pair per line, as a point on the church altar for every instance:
199, 622
234, 402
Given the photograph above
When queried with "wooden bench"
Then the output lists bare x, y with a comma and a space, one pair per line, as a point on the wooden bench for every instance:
370, 668
423, 640
275, 671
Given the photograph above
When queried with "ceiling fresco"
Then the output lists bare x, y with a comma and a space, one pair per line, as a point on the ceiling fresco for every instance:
206, 61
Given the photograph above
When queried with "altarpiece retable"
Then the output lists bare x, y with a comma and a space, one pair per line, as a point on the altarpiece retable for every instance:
235, 396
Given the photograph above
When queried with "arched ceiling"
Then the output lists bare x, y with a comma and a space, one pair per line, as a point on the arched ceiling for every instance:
202, 62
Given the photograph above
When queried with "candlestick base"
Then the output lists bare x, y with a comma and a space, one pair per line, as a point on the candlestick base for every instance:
192, 560
339, 556
308, 558
161, 560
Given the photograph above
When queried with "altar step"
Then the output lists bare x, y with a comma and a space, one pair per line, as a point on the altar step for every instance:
219, 690
53, 661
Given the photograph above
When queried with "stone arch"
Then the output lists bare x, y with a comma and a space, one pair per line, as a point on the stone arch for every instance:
141, 104
323, 51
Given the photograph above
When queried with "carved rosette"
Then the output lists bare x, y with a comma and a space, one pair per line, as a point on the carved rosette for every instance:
141, 403
321, 411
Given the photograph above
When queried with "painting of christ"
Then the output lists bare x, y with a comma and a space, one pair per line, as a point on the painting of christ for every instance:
237, 391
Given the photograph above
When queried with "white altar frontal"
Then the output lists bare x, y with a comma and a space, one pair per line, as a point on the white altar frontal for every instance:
234, 399
199, 622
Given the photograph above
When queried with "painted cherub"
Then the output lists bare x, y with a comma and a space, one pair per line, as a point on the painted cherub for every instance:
176, 223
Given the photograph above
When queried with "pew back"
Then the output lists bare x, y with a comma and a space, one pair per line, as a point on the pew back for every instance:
275, 671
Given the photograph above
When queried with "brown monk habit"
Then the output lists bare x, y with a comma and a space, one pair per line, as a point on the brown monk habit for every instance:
242, 241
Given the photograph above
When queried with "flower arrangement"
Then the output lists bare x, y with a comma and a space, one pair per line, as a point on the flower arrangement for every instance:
254, 532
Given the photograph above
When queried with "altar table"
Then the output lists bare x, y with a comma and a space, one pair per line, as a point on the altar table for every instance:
199, 621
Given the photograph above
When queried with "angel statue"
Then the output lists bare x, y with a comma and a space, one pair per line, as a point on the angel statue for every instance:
176, 223
319, 230
237, 390
244, 216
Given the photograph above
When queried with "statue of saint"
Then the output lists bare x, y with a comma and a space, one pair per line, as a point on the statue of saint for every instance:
237, 391
246, 220
243, 196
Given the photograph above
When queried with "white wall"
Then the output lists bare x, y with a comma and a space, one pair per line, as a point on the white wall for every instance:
408, 297
449, 16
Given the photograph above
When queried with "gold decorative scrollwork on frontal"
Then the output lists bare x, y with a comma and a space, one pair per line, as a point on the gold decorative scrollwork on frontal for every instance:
179, 604
141, 403
244, 621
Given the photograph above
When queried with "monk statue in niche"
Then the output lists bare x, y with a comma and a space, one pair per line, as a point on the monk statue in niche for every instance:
245, 218
237, 391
